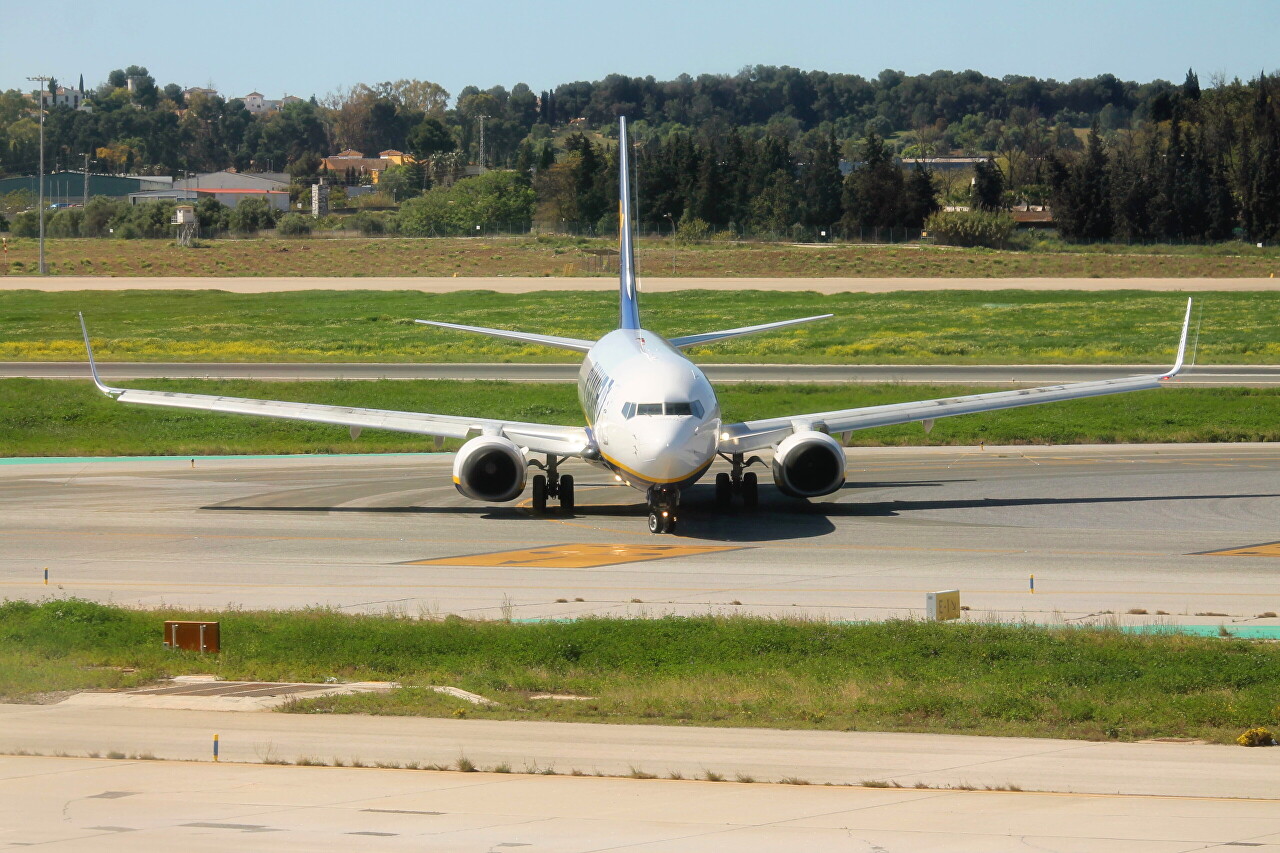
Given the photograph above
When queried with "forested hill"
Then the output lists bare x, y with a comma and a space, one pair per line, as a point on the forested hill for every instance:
169, 129
757, 152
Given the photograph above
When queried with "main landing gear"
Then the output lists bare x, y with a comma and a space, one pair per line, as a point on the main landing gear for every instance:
737, 482
663, 501
551, 485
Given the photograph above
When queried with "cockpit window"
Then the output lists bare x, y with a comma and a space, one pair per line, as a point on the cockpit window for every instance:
681, 409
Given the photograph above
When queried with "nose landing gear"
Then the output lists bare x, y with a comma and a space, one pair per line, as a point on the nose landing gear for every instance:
551, 485
663, 501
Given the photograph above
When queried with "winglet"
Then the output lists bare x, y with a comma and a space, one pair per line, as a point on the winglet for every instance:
1182, 344
93, 366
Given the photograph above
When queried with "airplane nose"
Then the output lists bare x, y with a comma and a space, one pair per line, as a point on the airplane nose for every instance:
670, 450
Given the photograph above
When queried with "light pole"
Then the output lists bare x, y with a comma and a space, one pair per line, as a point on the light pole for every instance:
40, 106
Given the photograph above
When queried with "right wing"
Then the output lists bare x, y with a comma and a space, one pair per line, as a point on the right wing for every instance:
755, 435
540, 438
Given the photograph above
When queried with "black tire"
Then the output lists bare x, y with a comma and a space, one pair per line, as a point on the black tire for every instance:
671, 524
750, 490
566, 493
724, 491
656, 522
539, 493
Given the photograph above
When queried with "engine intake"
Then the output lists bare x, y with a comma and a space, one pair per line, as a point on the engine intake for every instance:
490, 468
808, 464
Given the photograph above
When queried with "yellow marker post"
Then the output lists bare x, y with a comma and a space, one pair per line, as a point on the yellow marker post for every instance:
215, 747
1033, 584
46, 575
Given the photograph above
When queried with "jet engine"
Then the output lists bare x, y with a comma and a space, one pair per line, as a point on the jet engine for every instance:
808, 464
489, 468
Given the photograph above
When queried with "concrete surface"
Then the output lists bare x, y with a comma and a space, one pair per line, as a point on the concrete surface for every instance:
78, 804
1258, 376
656, 284
1105, 530
1154, 769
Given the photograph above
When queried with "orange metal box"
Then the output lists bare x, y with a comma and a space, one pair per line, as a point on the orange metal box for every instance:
192, 636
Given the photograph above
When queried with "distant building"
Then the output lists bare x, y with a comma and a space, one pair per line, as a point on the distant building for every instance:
227, 179
352, 167
255, 103
64, 97
196, 90
68, 187
277, 199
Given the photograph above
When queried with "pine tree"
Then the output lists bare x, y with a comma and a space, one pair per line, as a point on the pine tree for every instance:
921, 197
821, 202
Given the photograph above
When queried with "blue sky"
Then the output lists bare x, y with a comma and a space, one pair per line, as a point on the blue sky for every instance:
266, 46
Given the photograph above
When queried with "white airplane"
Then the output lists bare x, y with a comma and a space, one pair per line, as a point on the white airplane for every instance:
653, 421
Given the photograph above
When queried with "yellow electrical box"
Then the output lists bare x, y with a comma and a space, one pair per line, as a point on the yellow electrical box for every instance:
940, 606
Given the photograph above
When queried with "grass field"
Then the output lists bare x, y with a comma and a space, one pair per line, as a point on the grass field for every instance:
733, 671
60, 418
566, 256
961, 327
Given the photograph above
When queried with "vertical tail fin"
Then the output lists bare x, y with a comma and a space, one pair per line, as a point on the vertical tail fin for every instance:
628, 307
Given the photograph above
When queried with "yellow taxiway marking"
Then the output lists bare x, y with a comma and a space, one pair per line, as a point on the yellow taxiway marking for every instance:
575, 556
1266, 549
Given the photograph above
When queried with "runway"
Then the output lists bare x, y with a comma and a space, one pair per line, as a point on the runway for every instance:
1247, 375
1104, 530
655, 284
73, 804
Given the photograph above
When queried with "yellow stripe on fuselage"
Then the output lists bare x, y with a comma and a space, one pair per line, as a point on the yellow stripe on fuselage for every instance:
619, 467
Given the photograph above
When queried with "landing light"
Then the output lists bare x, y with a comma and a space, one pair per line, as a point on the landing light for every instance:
724, 436
617, 477
665, 513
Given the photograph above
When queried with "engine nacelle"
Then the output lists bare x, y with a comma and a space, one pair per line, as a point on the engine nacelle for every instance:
490, 468
808, 464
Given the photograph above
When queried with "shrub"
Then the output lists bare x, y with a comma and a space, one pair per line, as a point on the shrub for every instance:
4, 223
128, 231
64, 223
692, 230
251, 215
26, 224
1257, 737
294, 225
368, 224
970, 227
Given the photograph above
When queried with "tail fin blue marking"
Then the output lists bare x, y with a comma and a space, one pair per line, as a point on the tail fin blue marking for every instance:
628, 306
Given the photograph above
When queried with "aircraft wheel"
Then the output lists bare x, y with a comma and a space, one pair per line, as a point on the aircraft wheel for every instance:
656, 522
539, 493
566, 493
671, 524
750, 490
724, 491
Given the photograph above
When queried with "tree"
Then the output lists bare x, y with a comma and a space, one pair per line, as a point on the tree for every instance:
1082, 203
988, 186
251, 215
821, 182
874, 190
921, 200
429, 137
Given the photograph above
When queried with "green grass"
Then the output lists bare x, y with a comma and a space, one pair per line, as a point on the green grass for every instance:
570, 256
729, 671
46, 417
955, 327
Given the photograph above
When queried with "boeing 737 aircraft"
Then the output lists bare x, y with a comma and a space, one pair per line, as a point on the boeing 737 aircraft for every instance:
653, 421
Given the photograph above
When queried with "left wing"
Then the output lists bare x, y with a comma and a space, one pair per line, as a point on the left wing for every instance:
754, 435
541, 438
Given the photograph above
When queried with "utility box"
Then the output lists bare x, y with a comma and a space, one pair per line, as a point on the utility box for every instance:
941, 606
192, 636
